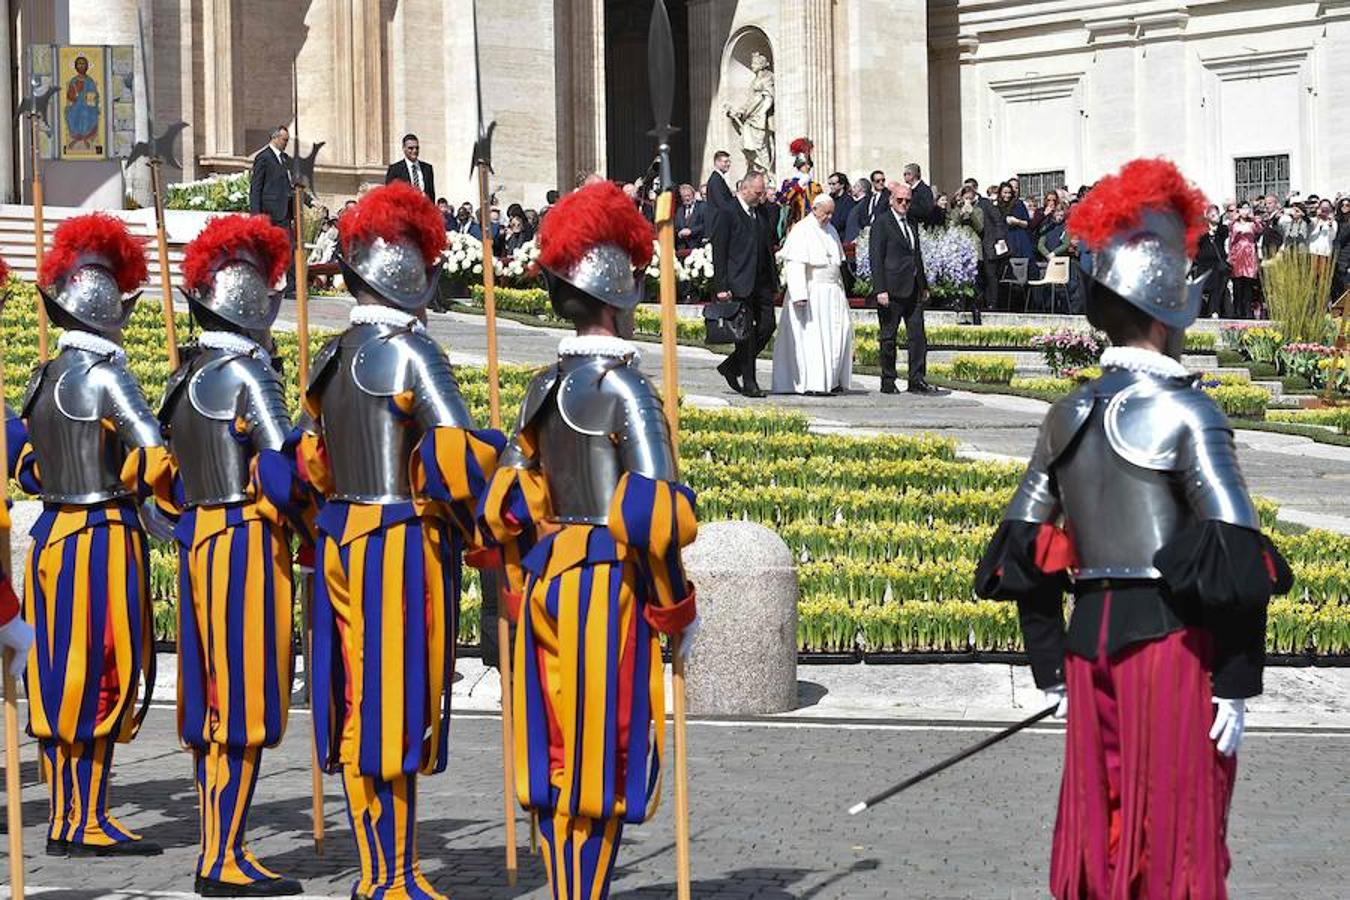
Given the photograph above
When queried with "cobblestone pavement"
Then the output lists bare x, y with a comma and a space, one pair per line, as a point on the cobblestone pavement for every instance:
768, 813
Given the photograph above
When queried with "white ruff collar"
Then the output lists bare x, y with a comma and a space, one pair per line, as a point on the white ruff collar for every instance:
1148, 362
232, 343
93, 343
598, 345
384, 315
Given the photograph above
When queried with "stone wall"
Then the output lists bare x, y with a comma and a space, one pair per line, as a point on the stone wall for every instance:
1027, 88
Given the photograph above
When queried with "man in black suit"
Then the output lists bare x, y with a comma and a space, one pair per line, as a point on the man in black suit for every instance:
720, 195
921, 205
269, 190
689, 220
993, 247
901, 290
412, 170
744, 270
875, 202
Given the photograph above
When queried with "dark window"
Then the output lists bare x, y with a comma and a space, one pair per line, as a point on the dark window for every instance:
1038, 184
1256, 176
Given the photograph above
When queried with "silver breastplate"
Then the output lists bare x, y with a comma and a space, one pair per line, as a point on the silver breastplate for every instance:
582, 470
1118, 514
200, 408
595, 418
370, 443
80, 460
369, 446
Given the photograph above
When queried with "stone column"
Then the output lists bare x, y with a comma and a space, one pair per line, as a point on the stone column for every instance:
369, 119
705, 60
10, 130
805, 79
580, 61
222, 78
1165, 118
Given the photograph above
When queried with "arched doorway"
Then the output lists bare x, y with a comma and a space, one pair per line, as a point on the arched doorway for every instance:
628, 107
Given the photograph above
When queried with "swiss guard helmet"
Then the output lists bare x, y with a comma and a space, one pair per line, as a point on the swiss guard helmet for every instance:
1143, 225
595, 240
91, 274
229, 271
391, 241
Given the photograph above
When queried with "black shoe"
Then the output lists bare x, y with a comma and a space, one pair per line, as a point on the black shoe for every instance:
121, 848
268, 887
889, 389
752, 390
57, 848
724, 370
923, 387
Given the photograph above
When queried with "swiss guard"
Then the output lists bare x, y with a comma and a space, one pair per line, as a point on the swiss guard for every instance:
1133, 500
591, 517
237, 501
92, 439
402, 468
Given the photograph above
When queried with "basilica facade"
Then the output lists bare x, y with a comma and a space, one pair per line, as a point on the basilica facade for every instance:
1244, 96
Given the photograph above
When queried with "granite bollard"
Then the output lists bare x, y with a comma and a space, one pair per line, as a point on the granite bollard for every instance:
744, 661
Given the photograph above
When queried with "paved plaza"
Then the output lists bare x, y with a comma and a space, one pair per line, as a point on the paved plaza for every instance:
768, 810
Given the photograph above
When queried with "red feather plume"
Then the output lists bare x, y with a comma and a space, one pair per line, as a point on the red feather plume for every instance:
4, 271
1118, 202
599, 214
102, 235
801, 145
396, 212
226, 236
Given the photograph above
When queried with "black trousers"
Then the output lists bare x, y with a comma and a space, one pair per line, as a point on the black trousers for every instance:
289, 226
910, 311
759, 310
1244, 290
1216, 299
990, 269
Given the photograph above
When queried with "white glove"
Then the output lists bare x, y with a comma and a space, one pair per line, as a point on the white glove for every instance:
1058, 697
16, 635
688, 635
155, 522
1226, 732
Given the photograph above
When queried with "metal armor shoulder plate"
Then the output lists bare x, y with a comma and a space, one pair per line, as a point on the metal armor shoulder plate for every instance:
1149, 421
173, 388
30, 393
609, 397
214, 388
77, 394
536, 395
323, 364
1065, 419
388, 364
586, 404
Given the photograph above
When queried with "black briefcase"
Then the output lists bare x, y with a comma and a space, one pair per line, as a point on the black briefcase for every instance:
725, 321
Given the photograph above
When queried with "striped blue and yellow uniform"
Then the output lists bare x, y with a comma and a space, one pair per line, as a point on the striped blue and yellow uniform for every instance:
591, 603
385, 619
86, 592
235, 662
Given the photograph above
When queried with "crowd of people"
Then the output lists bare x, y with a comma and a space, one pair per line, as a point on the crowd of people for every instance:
1015, 239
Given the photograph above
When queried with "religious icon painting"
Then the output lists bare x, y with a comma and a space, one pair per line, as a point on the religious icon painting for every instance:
81, 75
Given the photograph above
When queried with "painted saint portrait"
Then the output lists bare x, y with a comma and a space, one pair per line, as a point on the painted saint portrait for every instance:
83, 115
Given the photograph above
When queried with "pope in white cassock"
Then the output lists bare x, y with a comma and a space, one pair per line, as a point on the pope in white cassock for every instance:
813, 350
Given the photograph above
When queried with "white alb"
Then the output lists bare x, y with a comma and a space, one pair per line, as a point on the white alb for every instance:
813, 349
